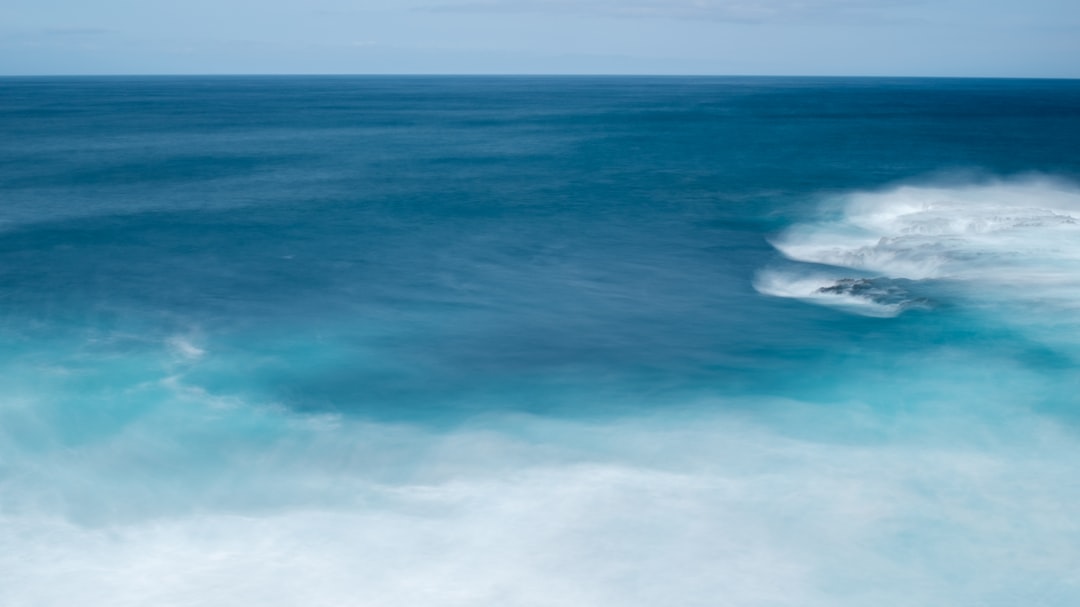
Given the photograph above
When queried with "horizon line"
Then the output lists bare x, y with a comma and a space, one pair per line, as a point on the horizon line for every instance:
519, 75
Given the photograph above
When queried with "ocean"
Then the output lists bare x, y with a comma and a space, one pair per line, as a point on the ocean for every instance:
539, 341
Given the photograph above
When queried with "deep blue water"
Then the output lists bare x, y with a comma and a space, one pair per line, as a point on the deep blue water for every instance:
539, 341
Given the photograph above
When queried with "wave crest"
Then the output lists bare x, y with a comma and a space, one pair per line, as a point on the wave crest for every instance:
1021, 235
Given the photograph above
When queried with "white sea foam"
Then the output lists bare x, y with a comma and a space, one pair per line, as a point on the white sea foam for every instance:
188, 506
1020, 236
182, 347
823, 289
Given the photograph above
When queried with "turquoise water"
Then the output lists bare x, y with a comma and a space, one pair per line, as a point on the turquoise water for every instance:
539, 341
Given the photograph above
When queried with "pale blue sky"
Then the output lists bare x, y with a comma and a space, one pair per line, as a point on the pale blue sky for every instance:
1021, 38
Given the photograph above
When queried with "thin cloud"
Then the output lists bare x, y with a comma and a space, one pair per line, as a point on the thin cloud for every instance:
76, 31
736, 11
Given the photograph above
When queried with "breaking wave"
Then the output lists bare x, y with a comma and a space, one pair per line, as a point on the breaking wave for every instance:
1019, 238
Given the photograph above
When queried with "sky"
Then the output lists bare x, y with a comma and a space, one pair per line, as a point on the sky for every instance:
993, 38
